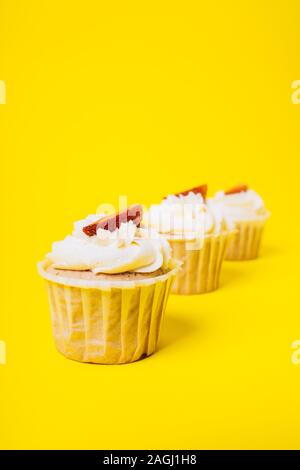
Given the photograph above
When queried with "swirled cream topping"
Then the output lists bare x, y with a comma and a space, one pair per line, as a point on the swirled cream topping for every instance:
126, 249
186, 217
244, 205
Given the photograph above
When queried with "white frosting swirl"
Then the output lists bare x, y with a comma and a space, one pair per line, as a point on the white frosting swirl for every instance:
127, 249
186, 217
246, 205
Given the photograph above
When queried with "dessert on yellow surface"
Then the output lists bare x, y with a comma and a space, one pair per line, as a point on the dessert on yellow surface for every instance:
108, 285
246, 210
198, 235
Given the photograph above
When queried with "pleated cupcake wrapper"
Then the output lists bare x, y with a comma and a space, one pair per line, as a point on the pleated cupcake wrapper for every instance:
200, 272
109, 324
246, 242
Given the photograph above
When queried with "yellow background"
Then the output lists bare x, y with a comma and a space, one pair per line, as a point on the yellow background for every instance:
143, 99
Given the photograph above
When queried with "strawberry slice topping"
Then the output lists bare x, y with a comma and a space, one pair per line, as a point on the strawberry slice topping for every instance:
114, 221
197, 190
239, 188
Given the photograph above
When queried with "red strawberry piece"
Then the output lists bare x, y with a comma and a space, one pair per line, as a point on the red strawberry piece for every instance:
197, 190
239, 188
114, 221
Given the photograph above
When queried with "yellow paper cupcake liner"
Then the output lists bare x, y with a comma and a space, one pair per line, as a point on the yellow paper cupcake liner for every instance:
246, 242
200, 272
107, 324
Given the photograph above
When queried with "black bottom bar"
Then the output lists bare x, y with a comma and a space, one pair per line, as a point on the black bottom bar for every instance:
151, 459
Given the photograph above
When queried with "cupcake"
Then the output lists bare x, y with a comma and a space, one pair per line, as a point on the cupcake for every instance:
246, 210
198, 235
108, 285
